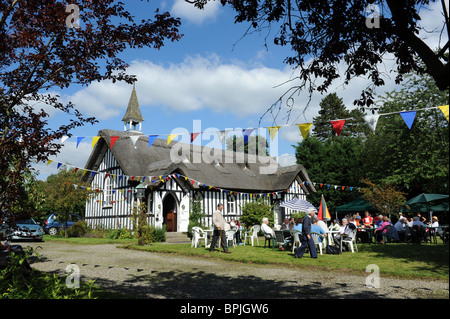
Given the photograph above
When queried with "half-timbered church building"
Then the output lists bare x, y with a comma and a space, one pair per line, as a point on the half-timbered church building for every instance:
127, 163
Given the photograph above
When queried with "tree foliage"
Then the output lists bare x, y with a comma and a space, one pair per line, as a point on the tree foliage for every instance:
386, 198
43, 46
325, 35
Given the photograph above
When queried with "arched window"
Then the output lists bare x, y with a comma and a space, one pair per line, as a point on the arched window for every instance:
231, 204
107, 191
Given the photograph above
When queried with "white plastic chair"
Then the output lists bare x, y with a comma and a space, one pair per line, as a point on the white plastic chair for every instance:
253, 234
231, 237
296, 238
315, 237
350, 241
197, 235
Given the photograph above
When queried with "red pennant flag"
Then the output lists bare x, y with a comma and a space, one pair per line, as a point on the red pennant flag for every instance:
113, 140
76, 169
194, 136
338, 125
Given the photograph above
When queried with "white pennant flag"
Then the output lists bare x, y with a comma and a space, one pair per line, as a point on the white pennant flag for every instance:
63, 139
222, 135
372, 120
134, 138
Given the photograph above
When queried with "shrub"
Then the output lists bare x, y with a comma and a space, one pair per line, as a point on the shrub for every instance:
120, 233
158, 234
18, 282
78, 229
195, 216
253, 213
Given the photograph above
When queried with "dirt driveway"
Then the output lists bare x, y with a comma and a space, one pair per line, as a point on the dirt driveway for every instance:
153, 275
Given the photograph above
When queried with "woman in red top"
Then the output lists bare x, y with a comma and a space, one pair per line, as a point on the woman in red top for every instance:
367, 220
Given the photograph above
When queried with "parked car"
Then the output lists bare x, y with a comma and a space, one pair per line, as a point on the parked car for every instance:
27, 229
56, 221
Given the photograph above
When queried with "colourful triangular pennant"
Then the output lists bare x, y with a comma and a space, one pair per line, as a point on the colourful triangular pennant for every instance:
114, 140
338, 125
151, 139
171, 137
194, 136
79, 138
444, 109
95, 140
408, 117
304, 129
273, 130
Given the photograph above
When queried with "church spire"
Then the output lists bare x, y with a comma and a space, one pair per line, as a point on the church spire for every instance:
133, 115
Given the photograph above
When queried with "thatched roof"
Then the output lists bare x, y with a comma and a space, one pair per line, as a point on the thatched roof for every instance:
228, 170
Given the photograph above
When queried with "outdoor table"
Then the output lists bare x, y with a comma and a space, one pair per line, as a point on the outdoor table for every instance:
370, 232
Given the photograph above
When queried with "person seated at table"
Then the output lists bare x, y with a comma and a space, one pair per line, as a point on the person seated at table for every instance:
322, 224
400, 226
417, 222
379, 221
316, 228
265, 228
367, 220
291, 222
285, 225
356, 219
410, 222
345, 231
434, 222
298, 224
382, 229
334, 225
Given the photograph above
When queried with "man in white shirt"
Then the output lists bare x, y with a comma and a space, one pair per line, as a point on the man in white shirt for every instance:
266, 228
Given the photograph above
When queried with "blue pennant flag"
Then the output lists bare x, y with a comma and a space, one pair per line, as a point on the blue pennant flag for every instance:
151, 139
79, 138
408, 117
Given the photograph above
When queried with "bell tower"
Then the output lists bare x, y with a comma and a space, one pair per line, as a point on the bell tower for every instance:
133, 119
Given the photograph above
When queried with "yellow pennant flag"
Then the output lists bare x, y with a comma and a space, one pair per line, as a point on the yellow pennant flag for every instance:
273, 130
444, 109
170, 138
95, 140
304, 129
49, 162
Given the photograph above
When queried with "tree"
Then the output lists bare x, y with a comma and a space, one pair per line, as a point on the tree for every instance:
325, 34
386, 198
329, 163
332, 108
416, 159
43, 46
255, 145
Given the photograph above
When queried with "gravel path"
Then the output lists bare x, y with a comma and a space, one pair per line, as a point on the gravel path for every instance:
153, 275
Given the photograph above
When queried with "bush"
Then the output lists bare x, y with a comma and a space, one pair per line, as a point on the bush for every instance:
120, 233
195, 216
17, 282
158, 234
78, 229
253, 213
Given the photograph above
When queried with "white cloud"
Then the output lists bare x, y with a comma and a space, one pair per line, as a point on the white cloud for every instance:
287, 159
188, 12
196, 83
432, 21
69, 154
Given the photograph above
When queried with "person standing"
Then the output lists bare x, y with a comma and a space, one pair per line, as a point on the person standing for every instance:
307, 239
219, 230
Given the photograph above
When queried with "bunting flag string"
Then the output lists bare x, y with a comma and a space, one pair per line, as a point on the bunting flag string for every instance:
195, 183
338, 125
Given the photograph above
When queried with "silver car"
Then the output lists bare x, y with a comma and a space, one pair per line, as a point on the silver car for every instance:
27, 229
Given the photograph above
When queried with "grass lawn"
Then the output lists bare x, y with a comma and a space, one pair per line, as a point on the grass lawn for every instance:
426, 261
402, 260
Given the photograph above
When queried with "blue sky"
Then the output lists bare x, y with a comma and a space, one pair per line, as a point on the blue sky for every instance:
212, 74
